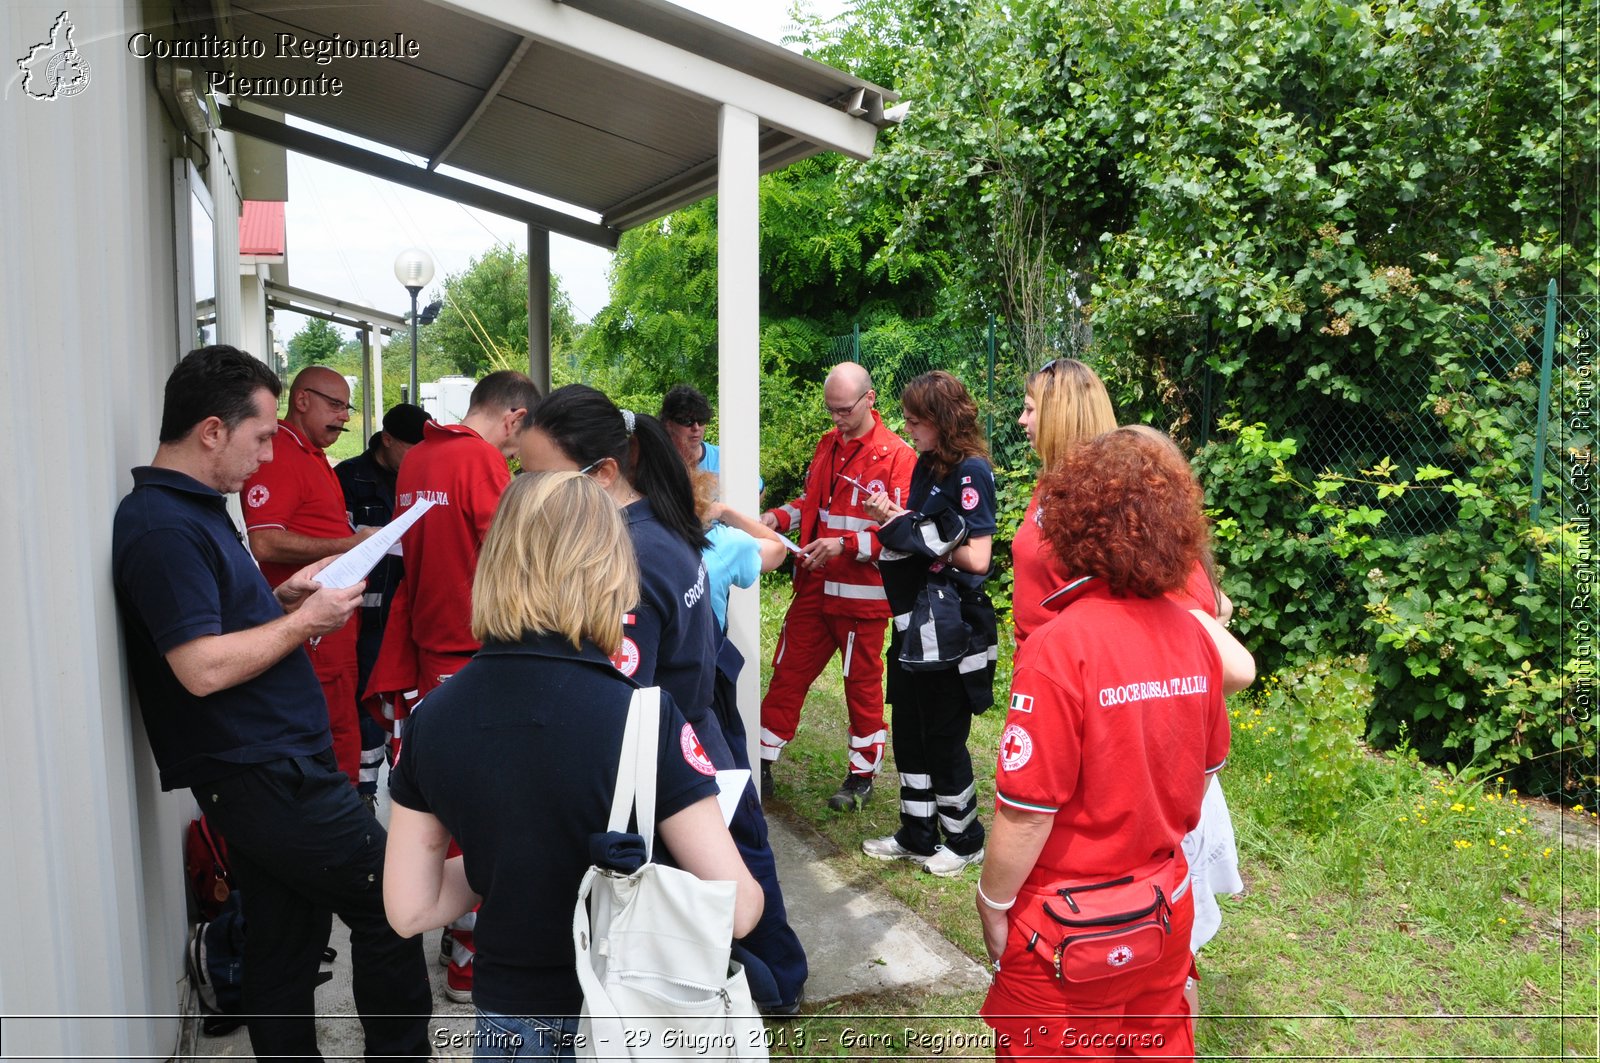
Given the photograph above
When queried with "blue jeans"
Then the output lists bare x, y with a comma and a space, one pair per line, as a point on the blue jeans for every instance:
503, 1038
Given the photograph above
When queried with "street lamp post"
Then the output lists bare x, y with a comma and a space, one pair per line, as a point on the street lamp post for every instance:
413, 268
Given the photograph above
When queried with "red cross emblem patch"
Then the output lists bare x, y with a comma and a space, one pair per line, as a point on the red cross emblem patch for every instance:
258, 496
969, 498
626, 658
1016, 747
694, 754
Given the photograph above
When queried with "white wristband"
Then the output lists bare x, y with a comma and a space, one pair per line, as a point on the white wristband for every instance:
989, 902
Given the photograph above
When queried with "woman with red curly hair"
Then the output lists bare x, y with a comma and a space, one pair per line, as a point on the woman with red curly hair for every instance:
942, 647
1116, 723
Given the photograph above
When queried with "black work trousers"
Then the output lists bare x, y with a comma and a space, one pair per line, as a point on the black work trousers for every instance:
929, 725
303, 847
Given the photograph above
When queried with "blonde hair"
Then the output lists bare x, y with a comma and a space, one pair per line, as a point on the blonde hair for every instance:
557, 561
706, 485
1071, 407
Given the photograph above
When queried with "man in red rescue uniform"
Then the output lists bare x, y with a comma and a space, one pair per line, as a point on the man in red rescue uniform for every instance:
462, 469
838, 604
294, 514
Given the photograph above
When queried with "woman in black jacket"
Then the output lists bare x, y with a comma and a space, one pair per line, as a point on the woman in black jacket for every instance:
940, 664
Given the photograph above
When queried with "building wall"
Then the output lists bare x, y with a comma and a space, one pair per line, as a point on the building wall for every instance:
92, 882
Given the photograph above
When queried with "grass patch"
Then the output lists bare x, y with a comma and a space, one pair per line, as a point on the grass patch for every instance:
1391, 909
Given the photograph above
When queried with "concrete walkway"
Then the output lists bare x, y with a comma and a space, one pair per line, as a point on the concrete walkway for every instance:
860, 941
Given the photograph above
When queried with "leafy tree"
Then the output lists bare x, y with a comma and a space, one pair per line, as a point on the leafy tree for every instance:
317, 343
483, 323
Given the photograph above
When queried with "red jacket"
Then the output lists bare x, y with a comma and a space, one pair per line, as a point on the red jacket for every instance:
832, 507
464, 476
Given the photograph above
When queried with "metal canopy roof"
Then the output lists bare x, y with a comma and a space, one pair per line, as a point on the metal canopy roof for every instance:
610, 106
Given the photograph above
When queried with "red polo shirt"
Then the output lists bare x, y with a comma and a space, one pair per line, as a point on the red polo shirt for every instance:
1116, 719
1035, 575
296, 491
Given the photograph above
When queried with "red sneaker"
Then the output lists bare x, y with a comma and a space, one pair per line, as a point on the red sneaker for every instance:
458, 974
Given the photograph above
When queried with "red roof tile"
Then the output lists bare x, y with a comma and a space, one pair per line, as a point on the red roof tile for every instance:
261, 228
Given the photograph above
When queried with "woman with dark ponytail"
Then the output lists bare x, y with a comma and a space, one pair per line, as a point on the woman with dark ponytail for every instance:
670, 640
671, 637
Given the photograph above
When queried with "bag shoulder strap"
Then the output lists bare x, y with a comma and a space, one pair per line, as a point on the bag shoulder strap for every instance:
636, 767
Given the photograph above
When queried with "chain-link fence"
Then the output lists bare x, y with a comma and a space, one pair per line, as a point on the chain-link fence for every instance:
1400, 417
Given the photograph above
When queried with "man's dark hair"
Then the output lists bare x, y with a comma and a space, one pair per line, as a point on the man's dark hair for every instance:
217, 381
685, 403
505, 389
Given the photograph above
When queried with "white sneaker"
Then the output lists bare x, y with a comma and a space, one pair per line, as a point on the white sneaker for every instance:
947, 864
890, 849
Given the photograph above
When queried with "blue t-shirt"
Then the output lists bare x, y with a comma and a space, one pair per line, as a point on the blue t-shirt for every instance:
732, 560
711, 461
670, 639
182, 572
517, 756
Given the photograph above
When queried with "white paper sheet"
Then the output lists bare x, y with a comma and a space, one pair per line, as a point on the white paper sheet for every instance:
730, 787
352, 566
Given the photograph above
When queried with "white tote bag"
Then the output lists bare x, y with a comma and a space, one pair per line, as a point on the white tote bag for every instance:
653, 947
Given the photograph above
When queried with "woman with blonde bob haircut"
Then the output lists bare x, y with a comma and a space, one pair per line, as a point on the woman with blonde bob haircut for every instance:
535, 579
1066, 405
516, 757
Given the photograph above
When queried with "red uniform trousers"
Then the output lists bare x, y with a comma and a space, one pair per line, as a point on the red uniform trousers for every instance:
333, 658
1140, 1014
811, 635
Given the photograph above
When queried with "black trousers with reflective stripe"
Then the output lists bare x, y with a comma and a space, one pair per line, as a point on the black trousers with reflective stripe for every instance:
930, 721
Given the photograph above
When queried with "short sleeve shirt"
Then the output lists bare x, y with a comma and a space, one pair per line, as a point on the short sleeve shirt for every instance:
670, 639
182, 572
517, 756
1116, 719
297, 491
1036, 574
732, 560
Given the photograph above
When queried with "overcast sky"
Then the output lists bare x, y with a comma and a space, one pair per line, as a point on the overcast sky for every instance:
345, 228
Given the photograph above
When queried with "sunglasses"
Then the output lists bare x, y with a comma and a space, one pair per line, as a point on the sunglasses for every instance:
689, 422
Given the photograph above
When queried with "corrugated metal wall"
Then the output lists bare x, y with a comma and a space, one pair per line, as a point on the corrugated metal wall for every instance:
91, 876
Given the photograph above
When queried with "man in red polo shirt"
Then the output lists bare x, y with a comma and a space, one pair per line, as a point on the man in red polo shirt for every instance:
462, 469
294, 512
839, 604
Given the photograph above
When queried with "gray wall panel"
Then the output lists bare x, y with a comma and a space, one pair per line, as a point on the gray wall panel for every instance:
88, 331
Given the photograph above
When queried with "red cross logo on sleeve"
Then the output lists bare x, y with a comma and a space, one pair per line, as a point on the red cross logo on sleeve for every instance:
694, 754
1016, 747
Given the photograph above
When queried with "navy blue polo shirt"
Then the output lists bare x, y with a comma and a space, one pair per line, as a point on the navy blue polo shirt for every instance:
181, 572
517, 756
673, 639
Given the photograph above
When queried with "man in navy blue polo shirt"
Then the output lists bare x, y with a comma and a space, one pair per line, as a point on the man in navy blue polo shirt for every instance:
235, 713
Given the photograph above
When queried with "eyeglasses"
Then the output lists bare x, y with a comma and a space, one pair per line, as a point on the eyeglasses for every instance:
339, 405
689, 422
848, 410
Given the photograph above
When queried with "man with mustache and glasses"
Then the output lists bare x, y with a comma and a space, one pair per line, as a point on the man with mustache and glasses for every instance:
294, 514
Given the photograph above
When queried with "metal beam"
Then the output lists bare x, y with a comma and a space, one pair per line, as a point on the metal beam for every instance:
364, 161
489, 96
280, 294
695, 184
677, 70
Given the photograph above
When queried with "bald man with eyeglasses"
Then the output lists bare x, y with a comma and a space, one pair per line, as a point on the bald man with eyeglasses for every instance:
838, 605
